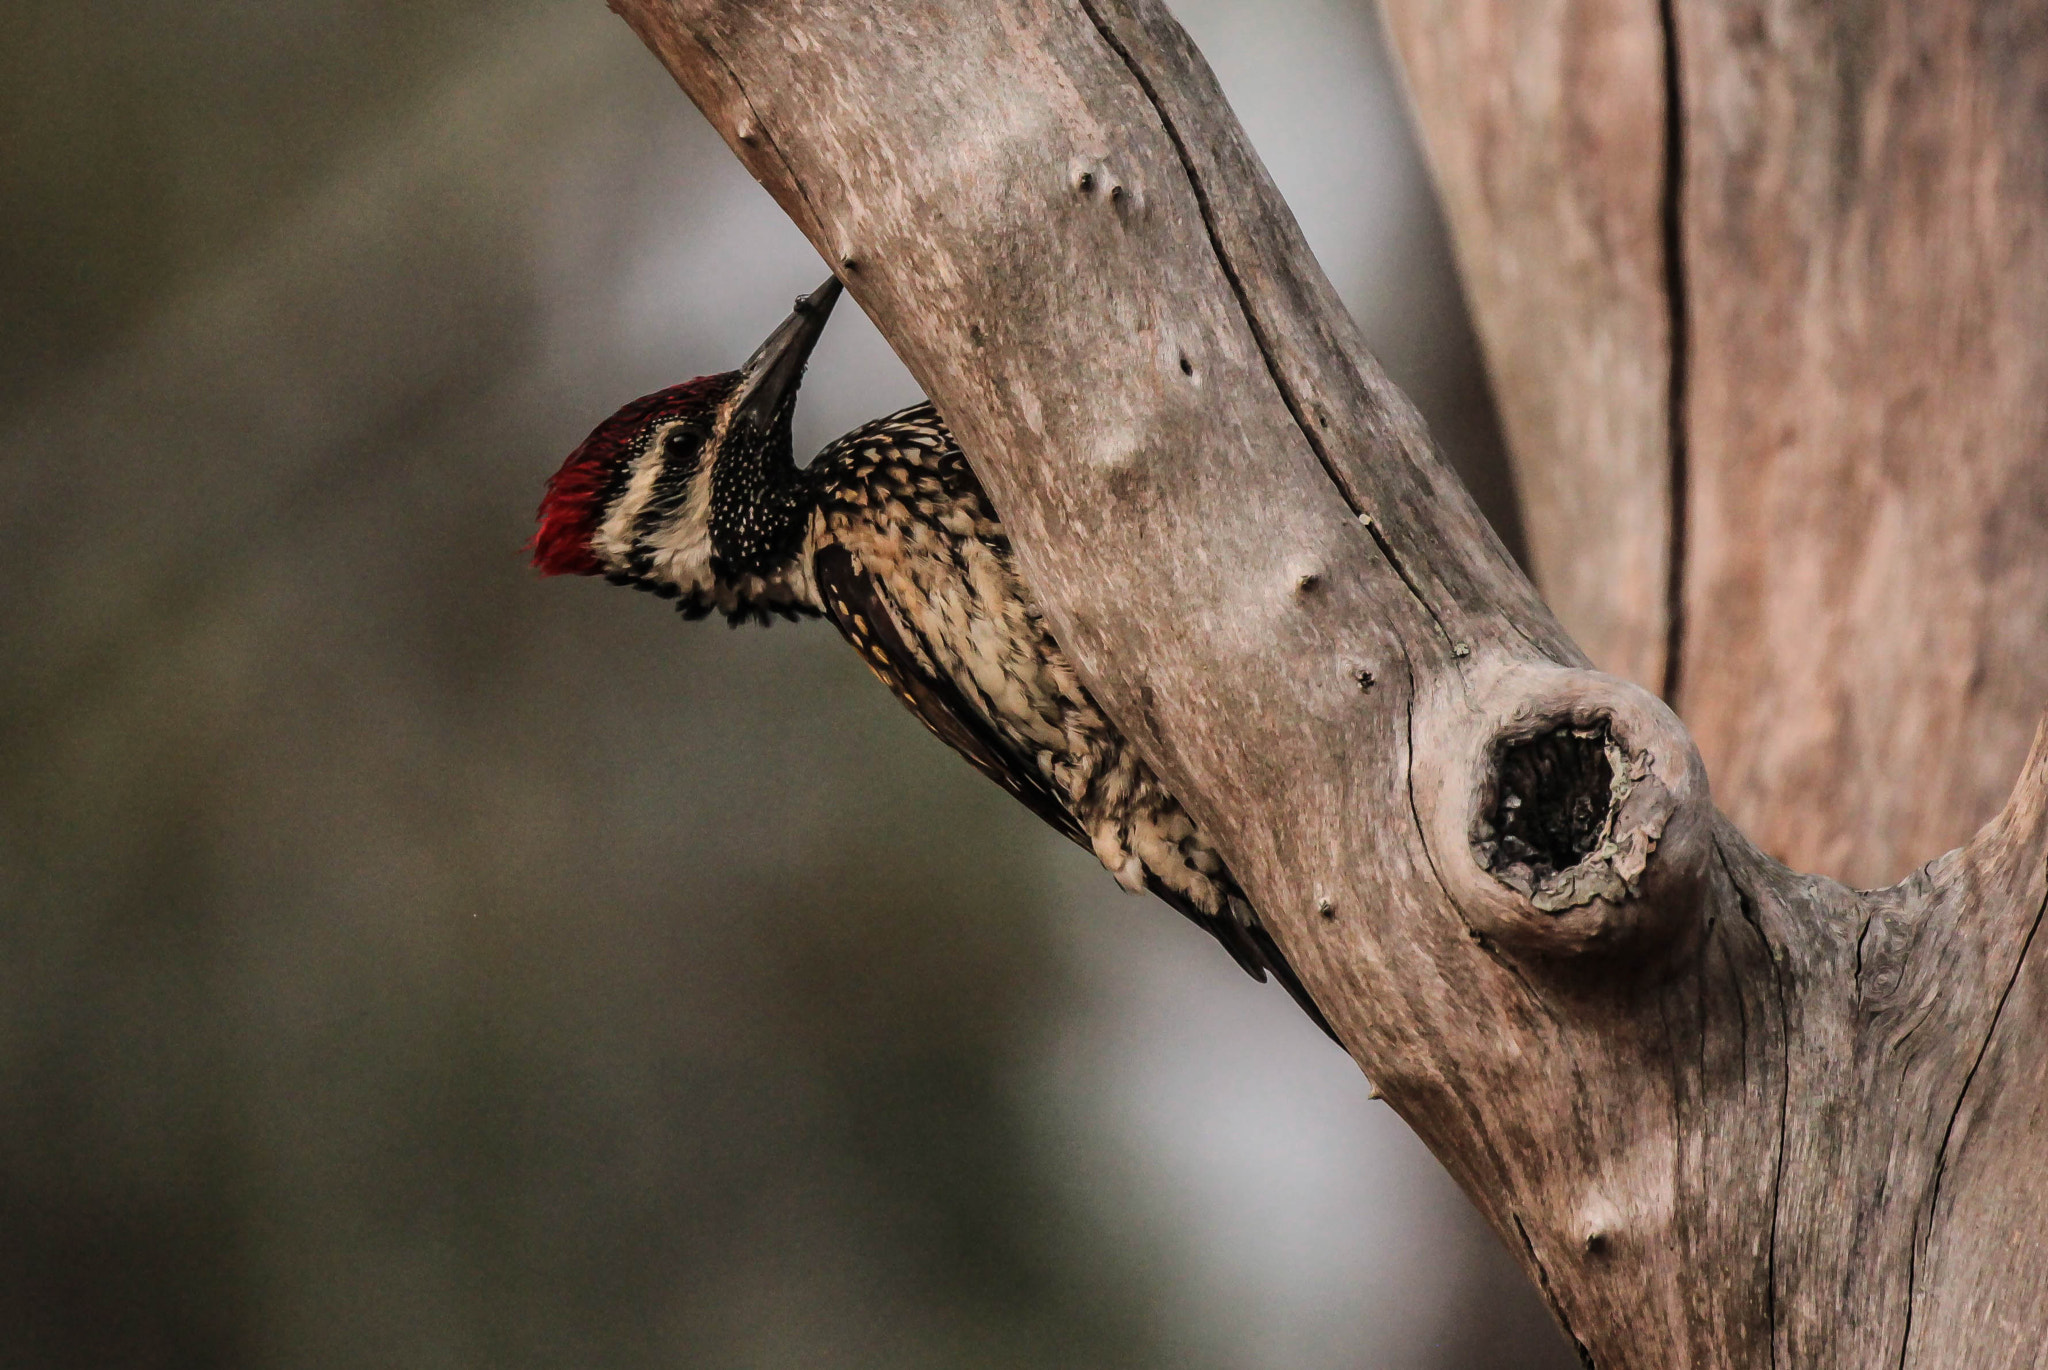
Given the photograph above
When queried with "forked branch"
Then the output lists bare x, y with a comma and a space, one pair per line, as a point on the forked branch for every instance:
1725, 1114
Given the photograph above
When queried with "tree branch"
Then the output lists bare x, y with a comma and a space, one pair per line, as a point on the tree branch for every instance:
1721, 1111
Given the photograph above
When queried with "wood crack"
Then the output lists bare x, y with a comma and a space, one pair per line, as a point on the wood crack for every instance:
761, 128
1550, 1295
1479, 939
1387, 550
1415, 810
1678, 323
1267, 352
1922, 1236
1741, 1008
1749, 916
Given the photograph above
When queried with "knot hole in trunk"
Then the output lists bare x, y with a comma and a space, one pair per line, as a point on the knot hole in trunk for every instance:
1558, 827
1556, 795
1574, 820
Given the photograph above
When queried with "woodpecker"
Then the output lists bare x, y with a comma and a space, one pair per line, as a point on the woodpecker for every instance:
693, 494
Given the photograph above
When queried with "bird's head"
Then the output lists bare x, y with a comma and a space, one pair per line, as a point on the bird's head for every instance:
684, 491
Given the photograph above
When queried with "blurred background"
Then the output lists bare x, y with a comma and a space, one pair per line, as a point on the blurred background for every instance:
405, 961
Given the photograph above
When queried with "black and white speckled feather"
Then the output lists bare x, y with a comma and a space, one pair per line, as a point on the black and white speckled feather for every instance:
889, 534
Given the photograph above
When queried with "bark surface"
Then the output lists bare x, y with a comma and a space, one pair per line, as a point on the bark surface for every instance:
1725, 1114
1764, 293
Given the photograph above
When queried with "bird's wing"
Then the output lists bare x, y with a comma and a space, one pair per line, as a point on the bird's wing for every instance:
863, 615
857, 605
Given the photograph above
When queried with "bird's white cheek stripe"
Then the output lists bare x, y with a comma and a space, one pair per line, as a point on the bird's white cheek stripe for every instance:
614, 541
680, 550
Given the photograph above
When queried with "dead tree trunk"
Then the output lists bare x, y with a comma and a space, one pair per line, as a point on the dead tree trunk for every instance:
1726, 1114
1764, 290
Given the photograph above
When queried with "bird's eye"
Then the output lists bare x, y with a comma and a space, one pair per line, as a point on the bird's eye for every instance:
683, 440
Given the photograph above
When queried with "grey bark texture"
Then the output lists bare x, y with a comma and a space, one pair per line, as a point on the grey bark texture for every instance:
1725, 1114
1818, 521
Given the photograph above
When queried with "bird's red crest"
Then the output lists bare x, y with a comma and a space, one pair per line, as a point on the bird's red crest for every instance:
578, 494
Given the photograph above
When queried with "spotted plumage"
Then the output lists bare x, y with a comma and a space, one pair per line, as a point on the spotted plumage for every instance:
693, 494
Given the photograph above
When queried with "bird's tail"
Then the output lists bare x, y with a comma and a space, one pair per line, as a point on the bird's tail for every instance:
1269, 950
1249, 944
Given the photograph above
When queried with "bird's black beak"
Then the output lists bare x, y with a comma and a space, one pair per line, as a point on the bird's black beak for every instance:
769, 379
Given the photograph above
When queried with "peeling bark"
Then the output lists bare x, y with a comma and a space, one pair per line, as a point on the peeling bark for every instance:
1725, 1114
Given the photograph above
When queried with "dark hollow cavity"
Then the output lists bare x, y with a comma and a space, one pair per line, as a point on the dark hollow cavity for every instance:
1550, 808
